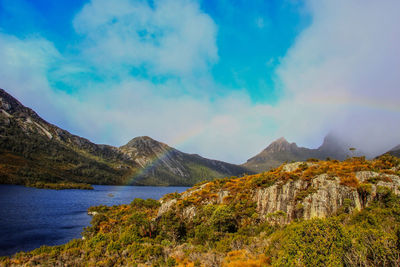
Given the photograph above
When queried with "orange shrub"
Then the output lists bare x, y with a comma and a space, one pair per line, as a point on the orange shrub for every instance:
349, 180
242, 258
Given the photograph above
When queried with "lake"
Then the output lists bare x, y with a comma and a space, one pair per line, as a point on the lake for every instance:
30, 217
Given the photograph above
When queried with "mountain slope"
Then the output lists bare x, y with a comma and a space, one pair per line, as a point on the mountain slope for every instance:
161, 163
395, 151
33, 150
281, 151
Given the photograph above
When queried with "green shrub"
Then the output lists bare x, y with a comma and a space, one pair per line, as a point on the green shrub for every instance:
223, 220
145, 203
171, 262
364, 191
316, 242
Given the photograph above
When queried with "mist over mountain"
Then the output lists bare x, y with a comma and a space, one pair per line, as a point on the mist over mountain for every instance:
281, 151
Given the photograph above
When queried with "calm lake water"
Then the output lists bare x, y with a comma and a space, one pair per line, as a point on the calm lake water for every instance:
30, 217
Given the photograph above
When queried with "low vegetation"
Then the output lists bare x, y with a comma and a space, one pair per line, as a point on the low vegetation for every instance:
231, 233
60, 186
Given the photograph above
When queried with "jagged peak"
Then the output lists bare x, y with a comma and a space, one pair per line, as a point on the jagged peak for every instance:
280, 144
12, 106
10, 103
281, 140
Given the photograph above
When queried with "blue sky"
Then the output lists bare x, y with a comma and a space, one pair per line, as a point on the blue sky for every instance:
252, 37
218, 78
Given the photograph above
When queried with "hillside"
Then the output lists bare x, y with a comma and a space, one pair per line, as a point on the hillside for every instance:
281, 151
395, 151
317, 213
161, 163
33, 150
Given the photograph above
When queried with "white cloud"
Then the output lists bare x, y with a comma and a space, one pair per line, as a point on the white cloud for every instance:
23, 70
25, 62
172, 37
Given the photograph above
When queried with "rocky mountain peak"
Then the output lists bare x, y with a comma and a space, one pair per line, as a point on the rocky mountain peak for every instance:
7, 102
11, 106
281, 140
280, 144
144, 149
142, 142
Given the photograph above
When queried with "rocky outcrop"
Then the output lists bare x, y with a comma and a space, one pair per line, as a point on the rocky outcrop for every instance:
285, 201
387, 180
304, 200
321, 197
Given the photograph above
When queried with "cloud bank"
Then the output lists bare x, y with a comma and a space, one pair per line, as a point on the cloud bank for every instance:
145, 69
343, 71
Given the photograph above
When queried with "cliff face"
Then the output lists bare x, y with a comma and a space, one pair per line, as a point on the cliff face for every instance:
301, 190
322, 197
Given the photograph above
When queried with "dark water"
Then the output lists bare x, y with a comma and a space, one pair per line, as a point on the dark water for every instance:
30, 217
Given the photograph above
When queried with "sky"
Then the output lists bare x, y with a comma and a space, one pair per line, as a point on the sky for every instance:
221, 79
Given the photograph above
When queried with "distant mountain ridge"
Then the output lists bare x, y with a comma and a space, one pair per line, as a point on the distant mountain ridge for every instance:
395, 151
281, 151
31, 150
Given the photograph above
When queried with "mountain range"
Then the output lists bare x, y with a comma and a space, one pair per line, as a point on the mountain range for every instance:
281, 151
33, 150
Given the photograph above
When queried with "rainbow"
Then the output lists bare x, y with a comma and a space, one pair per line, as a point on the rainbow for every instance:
178, 140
